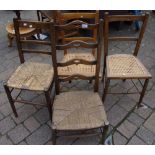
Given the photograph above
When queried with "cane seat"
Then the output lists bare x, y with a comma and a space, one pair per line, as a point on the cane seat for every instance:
125, 66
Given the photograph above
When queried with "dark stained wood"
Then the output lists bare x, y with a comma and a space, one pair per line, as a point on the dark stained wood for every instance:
77, 44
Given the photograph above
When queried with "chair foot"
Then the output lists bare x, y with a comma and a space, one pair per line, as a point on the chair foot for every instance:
54, 137
104, 133
48, 100
107, 82
8, 93
10, 39
142, 93
90, 81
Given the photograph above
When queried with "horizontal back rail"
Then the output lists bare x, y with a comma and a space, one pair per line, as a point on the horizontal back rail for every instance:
123, 38
79, 38
36, 51
115, 18
36, 42
77, 62
34, 24
77, 44
75, 77
76, 24
78, 15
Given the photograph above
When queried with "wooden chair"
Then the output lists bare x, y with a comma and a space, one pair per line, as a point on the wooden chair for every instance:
77, 110
25, 32
31, 76
65, 17
46, 15
124, 66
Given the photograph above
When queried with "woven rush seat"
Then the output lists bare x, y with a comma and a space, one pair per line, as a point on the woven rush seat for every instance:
78, 110
86, 70
32, 76
10, 29
125, 66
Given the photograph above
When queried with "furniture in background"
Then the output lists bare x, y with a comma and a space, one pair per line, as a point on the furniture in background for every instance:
25, 32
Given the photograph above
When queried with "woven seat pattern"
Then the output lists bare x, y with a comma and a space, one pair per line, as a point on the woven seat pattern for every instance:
125, 66
32, 76
86, 70
78, 110
22, 30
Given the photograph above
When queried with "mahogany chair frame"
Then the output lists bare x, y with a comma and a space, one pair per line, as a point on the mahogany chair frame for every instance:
21, 51
76, 44
106, 80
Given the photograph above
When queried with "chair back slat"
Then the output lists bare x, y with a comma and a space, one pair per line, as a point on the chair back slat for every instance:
79, 15
33, 24
36, 42
113, 18
76, 24
35, 51
123, 38
22, 42
77, 44
77, 62
76, 77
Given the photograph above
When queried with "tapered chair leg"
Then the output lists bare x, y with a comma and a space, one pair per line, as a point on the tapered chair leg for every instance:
10, 100
48, 100
107, 82
104, 70
104, 133
143, 92
54, 137
103, 75
10, 39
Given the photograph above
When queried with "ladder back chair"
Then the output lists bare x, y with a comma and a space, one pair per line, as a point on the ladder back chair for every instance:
31, 76
63, 18
77, 110
124, 66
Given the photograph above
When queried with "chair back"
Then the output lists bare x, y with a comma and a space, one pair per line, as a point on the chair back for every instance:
114, 18
89, 16
29, 45
76, 44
